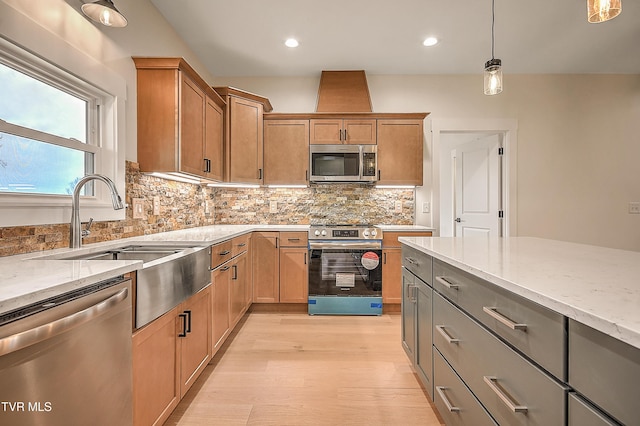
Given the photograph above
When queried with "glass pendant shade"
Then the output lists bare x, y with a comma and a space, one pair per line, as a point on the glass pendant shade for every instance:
493, 77
603, 10
104, 12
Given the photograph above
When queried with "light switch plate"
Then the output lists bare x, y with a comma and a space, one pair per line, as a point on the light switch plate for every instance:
138, 208
398, 206
273, 206
156, 205
634, 207
426, 207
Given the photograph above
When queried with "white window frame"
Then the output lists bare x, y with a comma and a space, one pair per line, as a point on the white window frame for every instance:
24, 43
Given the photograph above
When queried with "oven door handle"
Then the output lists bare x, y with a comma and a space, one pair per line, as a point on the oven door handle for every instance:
367, 245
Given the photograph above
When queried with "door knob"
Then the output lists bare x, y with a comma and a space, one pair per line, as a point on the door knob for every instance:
458, 220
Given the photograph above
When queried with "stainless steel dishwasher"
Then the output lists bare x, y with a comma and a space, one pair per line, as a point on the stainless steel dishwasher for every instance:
67, 360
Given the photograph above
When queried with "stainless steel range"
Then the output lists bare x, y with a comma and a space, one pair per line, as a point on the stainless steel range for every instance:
345, 270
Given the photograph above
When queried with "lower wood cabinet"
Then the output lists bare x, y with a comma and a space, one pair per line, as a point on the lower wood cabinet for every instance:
392, 265
280, 267
168, 356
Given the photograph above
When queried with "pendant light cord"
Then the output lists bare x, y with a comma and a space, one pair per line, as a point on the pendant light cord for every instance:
493, 23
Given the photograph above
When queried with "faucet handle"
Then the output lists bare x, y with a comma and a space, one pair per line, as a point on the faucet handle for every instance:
86, 231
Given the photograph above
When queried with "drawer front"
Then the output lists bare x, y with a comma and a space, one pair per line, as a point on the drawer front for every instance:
417, 262
536, 331
606, 371
455, 402
239, 244
220, 253
512, 389
581, 413
293, 239
390, 239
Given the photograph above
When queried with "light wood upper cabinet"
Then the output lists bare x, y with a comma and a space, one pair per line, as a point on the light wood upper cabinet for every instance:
243, 124
179, 120
286, 152
400, 148
353, 131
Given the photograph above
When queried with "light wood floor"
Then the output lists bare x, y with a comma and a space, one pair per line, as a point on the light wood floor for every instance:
296, 369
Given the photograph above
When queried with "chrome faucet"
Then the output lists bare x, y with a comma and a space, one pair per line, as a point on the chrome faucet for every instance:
75, 233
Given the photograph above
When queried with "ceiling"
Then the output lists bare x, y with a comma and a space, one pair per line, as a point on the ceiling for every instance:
246, 37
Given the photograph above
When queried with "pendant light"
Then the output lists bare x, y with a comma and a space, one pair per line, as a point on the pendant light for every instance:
493, 67
104, 12
603, 10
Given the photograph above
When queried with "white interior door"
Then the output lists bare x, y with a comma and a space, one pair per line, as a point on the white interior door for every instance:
477, 185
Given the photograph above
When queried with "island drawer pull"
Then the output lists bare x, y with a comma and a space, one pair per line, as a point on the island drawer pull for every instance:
224, 253
447, 403
412, 261
493, 313
447, 283
492, 382
448, 338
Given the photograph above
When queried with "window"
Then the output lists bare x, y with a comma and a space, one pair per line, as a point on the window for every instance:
67, 118
47, 132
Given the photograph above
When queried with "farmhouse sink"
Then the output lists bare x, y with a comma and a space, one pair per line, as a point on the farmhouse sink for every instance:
170, 274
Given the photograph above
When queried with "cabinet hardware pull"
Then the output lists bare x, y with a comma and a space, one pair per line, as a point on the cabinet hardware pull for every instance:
305, 258
306, 175
340, 134
235, 272
447, 403
276, 242
184, 325
447, 283
492, 382
411, 260
440, 329
224, 253
225, 268
412, 290
205, 165
242, 244
188, 321
384, 261
378, 174
345, 135
259, 174
293, 239
493, 313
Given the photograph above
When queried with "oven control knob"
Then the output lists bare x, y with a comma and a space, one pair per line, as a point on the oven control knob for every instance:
366, 233
374, 233
324, 233
316, 233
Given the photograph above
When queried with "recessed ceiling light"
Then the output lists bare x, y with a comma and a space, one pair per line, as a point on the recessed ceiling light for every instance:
291, 42
430, 41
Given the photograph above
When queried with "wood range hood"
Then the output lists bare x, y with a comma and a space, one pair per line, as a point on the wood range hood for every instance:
343, 91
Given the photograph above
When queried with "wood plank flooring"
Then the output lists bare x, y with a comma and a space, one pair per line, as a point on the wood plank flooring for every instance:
296, 369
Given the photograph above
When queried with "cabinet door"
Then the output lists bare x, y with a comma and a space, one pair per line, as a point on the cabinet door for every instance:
392, 276
325, 131
156, 373
424, 338
195, 345
286, 152
214, 140
408, 315
266, 267
245, 141
294, 275
400, 152
192, 101
238, 288
359, 132
220, 306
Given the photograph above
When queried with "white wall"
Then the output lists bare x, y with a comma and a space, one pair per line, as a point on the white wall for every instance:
578, 141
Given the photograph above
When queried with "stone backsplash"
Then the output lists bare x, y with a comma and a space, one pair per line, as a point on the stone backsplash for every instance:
331, 204
184, 205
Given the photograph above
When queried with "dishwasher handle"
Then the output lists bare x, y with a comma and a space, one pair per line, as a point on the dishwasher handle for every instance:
41, 333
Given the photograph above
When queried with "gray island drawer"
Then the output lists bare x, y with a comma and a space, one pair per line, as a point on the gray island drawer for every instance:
417, 262
513, 390
536, 331
581, 413
606, 371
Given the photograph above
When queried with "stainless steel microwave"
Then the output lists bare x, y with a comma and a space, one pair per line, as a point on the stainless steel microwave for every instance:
343, 163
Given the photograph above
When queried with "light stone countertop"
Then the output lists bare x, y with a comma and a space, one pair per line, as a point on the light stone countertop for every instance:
405, 228
28, 278
25, 279
597, 286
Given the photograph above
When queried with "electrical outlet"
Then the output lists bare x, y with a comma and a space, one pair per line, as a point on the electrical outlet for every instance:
426, 207
398, 207
273, 207
138, 208
156, 206
634, 207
